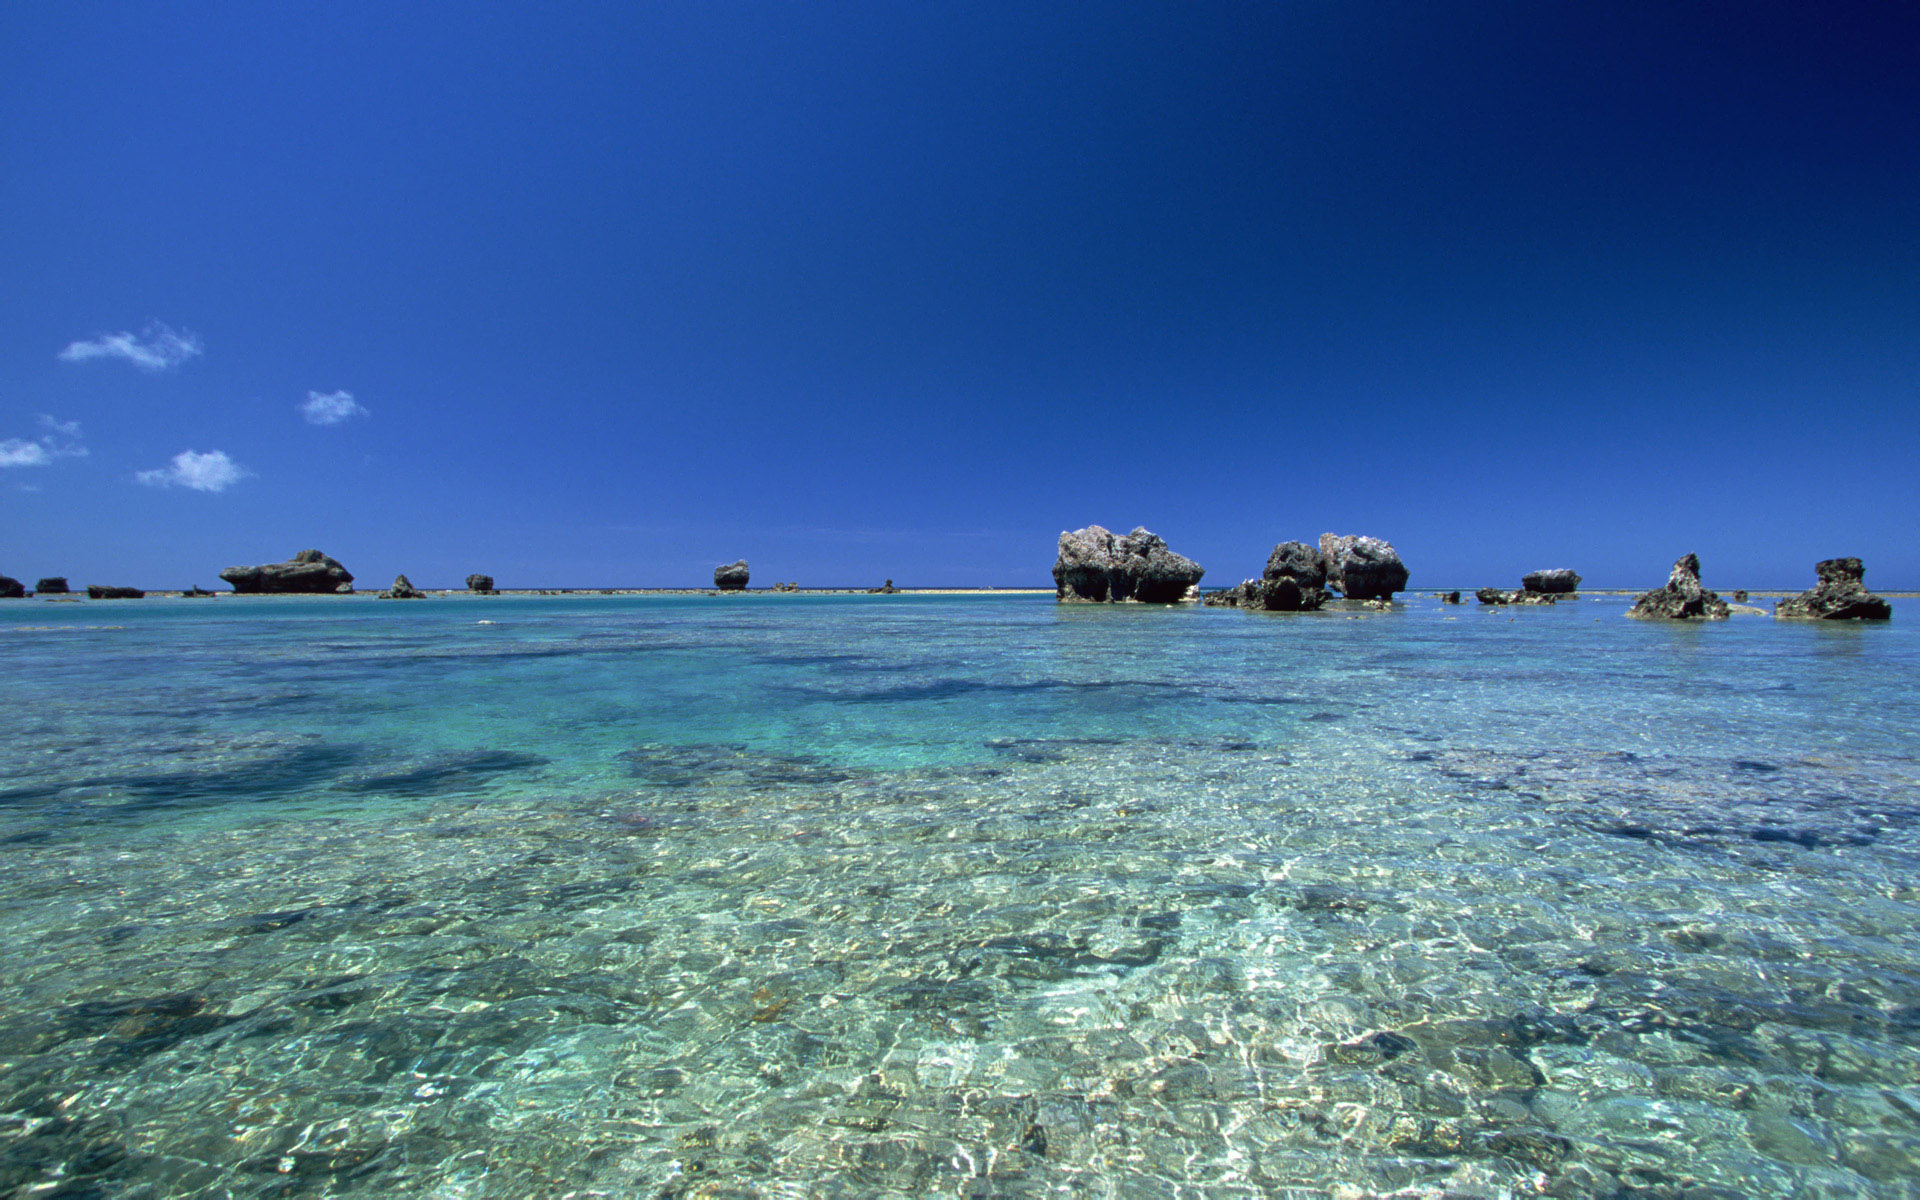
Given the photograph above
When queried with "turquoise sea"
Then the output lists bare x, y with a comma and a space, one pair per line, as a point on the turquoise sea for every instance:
782, 896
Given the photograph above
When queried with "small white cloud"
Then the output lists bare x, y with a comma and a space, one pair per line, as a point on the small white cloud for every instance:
155, 348
209, 472
16, 452
61, 440
331, 408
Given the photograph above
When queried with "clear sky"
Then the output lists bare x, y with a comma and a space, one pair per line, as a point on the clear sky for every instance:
607, 294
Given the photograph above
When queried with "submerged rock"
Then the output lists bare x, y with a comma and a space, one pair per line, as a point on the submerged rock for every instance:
402, 589
732, 577
52, 585
480, 583
1557, 581
1362, 568
1684, 597
1523, 596
97, 591
12, 589
308, 572
1093, 565
1841, 595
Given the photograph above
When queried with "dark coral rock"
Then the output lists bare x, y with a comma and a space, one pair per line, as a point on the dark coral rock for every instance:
1839, 596
1683, 598
97, 591
732, 577
1557, 581
1092, 564
308, 572
1362, 568
52, 585
480, 583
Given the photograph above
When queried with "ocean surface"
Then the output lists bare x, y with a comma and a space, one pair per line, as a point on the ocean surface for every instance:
956, 896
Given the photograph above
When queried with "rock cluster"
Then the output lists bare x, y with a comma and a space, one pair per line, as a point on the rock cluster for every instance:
1094, 565
1839, 596
1682, 598
402, 589
732, 577
480, 583
1523, 596
52, 585
1362, 568
887, 590
11, 588
97, 591
307, 572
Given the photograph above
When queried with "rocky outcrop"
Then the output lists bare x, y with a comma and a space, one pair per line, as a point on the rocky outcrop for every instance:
1559, 581
402, 589
1449, 597
1523, 596
52, 585
732, 577
1094, 565
12, 589
480, 583
308, 572
1362, 568
97, 591
1839, 596
1682, 599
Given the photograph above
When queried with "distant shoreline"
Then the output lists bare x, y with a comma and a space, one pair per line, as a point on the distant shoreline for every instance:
548, 593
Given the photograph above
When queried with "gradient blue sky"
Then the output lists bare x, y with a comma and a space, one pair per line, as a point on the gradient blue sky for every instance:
620, 292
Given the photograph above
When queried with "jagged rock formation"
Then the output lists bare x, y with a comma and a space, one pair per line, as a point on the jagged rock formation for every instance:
97, 591
480, 583
1093, 565
732, 577
308, 572
402, 589
52, 585
1839, 596
12, 589
1558, 581
1362, 568
1684, 597
1449, 597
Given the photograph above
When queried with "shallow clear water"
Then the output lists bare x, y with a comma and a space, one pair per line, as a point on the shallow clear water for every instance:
864, 896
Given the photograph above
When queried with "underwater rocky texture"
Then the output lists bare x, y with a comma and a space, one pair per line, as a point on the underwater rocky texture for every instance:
956, 898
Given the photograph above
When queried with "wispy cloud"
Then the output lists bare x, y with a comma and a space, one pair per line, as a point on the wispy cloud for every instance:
155, 348
58, 439
209, 472
331, 408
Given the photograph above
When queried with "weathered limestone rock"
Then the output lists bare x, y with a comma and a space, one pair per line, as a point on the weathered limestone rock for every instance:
1094, 565
1449, 597
1362, 568
402, 589
308, 572
12, 589
480, 583
732, 577
1558, 581
97, 591
1841, 595
52, 585
1682, 598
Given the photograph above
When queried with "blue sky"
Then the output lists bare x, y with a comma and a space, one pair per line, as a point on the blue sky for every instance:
603, 295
